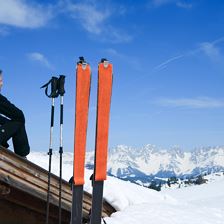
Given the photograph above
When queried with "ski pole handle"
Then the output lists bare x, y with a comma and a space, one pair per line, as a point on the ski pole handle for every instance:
54, 87
61, 85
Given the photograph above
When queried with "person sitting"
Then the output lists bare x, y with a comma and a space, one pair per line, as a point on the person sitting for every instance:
12, 125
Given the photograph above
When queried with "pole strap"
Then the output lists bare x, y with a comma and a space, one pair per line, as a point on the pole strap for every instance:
54, 87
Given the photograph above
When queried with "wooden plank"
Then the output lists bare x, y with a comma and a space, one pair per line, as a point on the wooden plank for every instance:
24, 165
11, 212
30, 180
16, 176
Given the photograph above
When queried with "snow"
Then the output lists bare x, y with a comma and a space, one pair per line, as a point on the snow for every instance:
135, 204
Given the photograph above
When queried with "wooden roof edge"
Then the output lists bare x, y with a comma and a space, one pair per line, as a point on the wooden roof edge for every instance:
11, 154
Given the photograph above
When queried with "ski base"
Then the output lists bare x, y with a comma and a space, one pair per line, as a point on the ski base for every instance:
77, 200
97, 200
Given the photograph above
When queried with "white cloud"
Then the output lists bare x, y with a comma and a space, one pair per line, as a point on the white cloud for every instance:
90, 18
194, 103
178, 3
116, 35
114, 52
95, 19
22, 14
38, 57
184, 5
158, 3
93, 16
210, 50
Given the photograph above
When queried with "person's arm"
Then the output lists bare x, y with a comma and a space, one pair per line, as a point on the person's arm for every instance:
10, 110
3, 120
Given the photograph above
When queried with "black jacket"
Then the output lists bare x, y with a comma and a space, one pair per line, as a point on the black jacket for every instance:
10, 111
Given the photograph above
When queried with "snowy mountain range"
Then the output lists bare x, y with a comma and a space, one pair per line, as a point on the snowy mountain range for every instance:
142, 165
149, 162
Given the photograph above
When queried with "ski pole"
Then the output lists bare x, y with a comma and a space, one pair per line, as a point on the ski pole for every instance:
61, 92
52, 95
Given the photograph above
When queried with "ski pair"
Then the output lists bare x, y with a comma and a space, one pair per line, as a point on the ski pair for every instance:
83, 82
57, 88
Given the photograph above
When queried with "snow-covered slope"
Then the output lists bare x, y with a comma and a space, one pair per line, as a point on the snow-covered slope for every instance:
195, 205
202, 204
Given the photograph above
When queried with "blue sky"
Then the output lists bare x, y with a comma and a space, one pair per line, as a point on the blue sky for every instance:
168, 67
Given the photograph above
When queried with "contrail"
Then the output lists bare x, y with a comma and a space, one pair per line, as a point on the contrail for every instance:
189, 53
160, 66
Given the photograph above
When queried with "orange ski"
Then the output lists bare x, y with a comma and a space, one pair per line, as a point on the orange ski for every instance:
83, 78
105, 78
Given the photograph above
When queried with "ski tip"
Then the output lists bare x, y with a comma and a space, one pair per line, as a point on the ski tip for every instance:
105, 62
81, 59
82, 62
